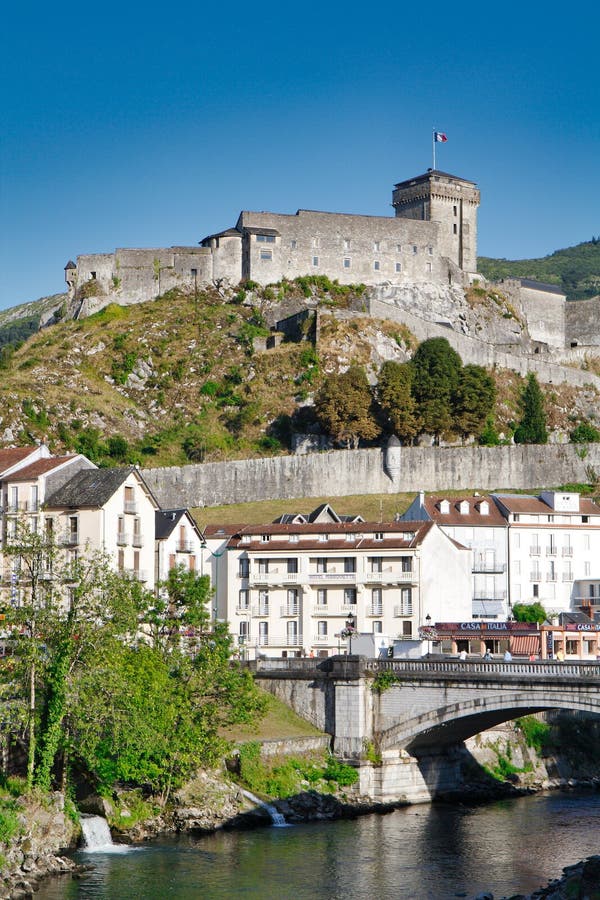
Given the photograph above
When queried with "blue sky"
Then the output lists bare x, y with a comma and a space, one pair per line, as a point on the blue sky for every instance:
128, 126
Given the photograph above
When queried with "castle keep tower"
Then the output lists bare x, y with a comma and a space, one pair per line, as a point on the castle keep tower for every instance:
451, 202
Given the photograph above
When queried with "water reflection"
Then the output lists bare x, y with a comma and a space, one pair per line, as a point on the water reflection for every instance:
419, 853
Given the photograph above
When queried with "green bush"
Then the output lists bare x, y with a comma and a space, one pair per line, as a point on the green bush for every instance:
536, 733
585, 433
9, 823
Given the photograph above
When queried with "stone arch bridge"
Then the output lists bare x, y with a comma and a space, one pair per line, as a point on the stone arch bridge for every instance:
428, 708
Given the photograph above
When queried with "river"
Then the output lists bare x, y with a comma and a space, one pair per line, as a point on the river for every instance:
417, 853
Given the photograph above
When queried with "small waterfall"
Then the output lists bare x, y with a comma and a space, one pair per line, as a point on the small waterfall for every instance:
277, 818
96, 836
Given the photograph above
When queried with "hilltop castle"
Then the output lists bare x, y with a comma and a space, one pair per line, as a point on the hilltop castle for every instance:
431, 238
429, 247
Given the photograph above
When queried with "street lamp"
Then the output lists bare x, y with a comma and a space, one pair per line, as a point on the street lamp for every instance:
428, 620
349, 631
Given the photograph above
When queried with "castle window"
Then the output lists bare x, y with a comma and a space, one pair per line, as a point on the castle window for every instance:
429, 267
92, 276
194, 272
376, 246
315, 242
430, 251
398, 267
293, 244
376, 265
415, 249
346, 244
265, 238
398, 248
266, 254
455, 228
346, 263
455, 208
315, 261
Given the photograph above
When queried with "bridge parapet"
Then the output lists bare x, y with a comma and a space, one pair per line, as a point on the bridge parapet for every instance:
498, 668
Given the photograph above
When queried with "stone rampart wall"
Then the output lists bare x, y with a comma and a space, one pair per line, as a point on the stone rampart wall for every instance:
344, 472
583, 322
479, 352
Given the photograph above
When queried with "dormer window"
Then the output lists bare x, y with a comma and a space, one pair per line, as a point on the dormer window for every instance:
444, 507
484, 508
323, 537
294, 538
265, 538
464, 507
246, 538
378, 536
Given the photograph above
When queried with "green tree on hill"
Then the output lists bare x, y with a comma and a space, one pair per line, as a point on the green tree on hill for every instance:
436, 366
532, 427
475, 397
343, 407
394, 393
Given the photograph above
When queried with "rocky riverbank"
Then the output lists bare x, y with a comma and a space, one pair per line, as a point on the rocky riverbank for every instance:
44, 833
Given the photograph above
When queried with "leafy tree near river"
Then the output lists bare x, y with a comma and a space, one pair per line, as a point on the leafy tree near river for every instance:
108, 678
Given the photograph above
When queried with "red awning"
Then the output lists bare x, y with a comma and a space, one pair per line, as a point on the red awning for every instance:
524, 644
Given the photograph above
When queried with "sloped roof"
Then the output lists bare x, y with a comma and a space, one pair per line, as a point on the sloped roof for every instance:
39, 467
471, 518
13, 455
89, 489
323, 514
165, 520
526, 503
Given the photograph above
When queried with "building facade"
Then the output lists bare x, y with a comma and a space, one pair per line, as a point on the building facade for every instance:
475, 522
553, 550
297, 587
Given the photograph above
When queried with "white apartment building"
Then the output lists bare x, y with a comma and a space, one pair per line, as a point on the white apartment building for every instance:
553, 550
111, 510
292, 586
475, 522
179, 542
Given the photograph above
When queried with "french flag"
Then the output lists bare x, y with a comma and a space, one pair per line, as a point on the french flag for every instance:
440, 137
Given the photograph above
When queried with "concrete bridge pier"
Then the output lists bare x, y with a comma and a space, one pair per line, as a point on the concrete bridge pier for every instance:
401, 777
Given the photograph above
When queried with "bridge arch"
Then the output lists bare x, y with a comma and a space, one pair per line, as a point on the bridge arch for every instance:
447, 725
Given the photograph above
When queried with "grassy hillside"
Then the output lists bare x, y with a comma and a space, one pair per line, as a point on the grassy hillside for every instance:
181, 379
575, 269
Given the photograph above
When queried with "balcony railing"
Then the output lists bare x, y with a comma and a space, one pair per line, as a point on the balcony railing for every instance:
321, 639
122, 538
137, 574
261, 610
138, 540
332, 576
376, 609
405, 610
551, 576
242, 610
487, 568
567, 551
535, 576
288, 640
390, 576
482, 597
70, 540
567, 576
130, 507
551, 551
535, 551
184, 547
273, 578
290, 609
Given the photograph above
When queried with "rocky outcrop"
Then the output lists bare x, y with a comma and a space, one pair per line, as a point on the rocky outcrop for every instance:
579, 882
36, 850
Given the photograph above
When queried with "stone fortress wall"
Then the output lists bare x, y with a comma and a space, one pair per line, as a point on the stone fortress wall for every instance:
427, 251
340, 473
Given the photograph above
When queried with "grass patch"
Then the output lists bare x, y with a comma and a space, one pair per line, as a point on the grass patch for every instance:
130, 809
281, 777
278, 722
536, 733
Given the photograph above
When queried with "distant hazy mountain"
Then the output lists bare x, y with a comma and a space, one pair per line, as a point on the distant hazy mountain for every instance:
575, 269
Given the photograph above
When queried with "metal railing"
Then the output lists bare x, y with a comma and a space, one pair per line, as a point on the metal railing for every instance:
184, 547
291, 609
130, 507
405, 610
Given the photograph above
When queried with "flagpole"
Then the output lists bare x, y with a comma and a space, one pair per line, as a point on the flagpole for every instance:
433, 146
